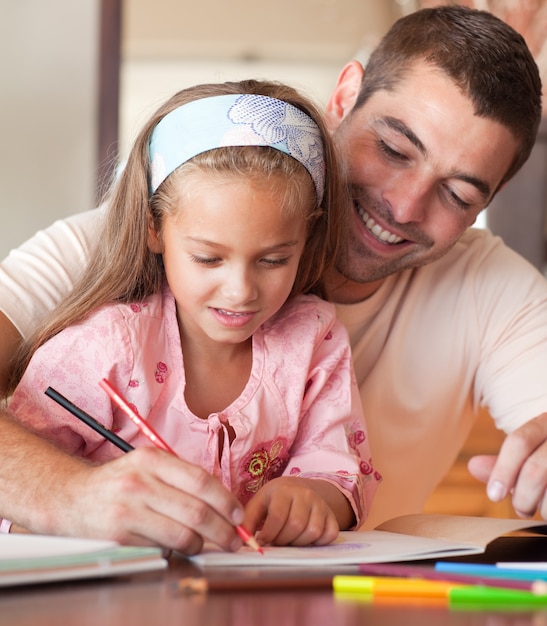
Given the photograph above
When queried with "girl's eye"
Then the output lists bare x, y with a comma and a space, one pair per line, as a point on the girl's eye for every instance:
204, 260
275, 262
389, 151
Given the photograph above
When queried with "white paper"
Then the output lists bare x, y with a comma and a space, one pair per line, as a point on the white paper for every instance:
31, 559
351, 547
24, 546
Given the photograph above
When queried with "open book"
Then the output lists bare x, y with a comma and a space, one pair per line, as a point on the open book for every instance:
405, 538
28, 559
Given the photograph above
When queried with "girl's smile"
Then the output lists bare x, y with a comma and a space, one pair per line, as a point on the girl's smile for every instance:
233, 319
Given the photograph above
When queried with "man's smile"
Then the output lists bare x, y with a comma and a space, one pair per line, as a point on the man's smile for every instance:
380, 233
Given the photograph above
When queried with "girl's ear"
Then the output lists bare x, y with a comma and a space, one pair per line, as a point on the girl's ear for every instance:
155, 243
344, 96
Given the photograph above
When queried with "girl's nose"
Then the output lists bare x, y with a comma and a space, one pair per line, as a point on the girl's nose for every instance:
240, 287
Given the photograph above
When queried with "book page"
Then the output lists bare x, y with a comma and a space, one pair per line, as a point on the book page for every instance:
406, 538
475, 531
351, 548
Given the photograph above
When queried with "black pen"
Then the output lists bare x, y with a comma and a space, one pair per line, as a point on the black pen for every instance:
90, 421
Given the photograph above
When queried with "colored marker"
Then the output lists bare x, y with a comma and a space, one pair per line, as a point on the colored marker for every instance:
429, 573
455, 595
490, 571
389, 586
490, 596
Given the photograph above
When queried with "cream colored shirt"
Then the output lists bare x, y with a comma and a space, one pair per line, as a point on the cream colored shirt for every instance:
431, 347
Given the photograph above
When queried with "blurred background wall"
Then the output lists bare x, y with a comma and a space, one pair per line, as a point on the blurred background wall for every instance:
48, 111
168, 46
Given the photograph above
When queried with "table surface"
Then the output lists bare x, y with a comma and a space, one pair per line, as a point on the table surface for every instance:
152, 598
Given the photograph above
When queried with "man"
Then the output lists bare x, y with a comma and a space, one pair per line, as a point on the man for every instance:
443, 319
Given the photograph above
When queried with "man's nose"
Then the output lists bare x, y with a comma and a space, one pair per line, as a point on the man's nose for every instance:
410, 202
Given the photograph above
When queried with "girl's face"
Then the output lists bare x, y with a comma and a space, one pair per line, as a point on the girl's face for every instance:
230, 253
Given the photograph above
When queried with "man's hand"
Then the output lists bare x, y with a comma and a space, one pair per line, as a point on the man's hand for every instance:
145, 497
151, 497
519, 469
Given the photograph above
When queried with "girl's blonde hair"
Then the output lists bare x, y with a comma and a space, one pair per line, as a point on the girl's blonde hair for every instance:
122, 267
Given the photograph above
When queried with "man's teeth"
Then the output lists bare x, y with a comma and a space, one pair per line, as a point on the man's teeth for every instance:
377, 230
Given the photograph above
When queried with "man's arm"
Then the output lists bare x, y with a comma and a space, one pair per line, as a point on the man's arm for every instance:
520, 469
36, 276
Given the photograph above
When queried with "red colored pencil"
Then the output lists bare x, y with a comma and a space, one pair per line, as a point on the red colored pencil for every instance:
147, 430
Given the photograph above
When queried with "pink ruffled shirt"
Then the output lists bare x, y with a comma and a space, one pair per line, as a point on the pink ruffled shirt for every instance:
299, 414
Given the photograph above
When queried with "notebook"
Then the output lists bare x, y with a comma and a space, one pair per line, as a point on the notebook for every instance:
405, 538
29, 559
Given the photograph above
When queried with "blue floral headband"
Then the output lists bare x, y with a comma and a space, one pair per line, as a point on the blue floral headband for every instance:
235, 120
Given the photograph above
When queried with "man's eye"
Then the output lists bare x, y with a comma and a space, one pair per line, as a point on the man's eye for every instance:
389, 151
453, 198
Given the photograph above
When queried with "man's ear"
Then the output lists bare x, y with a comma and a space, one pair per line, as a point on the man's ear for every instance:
155, 243
344, 95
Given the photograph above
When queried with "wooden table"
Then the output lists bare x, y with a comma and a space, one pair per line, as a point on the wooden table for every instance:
152, 599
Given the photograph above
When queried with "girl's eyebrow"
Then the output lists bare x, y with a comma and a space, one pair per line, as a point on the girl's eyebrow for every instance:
216, 244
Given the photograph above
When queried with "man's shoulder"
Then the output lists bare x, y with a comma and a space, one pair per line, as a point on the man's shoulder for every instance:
477, 243
480, 268
79, 230
479, 252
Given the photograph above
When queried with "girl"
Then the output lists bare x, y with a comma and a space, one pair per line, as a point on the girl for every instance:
200, 305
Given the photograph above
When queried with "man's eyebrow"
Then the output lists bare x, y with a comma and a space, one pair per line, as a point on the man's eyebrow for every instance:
400, 127
481, 185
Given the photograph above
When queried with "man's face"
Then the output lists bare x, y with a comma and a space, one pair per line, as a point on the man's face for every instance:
420, 165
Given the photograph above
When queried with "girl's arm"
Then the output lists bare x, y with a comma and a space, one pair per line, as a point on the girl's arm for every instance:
332, 444
329, 481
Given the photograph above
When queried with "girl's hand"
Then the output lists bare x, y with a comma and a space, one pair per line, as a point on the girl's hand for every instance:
294, 511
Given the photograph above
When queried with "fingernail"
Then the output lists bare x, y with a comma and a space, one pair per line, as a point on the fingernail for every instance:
238, 517
236, 544
496, 491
